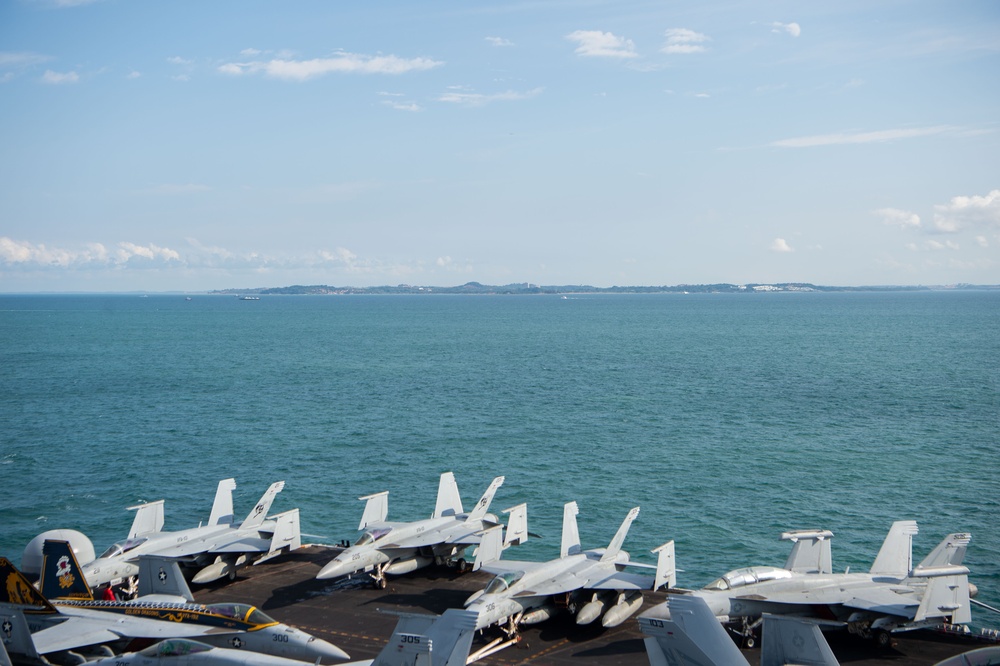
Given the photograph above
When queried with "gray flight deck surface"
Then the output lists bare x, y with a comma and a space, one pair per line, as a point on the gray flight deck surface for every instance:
346, 612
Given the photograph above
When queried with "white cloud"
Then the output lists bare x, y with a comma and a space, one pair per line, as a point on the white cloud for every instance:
602, 44
900, 218
981, 241
792, 29
23, 253
477, 99
57, 78
942, 245
349, 63
402, 106
880, 136
499, 41
968, 211
781, 245
133, 75
684, 41
177, 60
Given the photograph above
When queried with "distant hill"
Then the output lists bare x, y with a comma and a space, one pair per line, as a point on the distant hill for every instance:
529, 288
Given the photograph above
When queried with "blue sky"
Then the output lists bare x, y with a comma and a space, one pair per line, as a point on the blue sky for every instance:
206, 145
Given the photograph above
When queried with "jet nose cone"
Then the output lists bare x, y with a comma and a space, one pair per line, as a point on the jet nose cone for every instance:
328, 651
335, 569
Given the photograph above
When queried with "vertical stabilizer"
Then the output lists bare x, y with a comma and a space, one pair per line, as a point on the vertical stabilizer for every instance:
161, 576
895, 558
17, 591
62, 577
615, 546
810, 551
688, 635
570, 532
256, 516
517, 526
222, 508
483, 505
16, 638
666, 566
490, 547
949, 552
790, 640
449, 502
376, 509
148, 519
428, 640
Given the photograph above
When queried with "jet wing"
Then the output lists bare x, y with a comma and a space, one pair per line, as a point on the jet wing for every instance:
583, 576
246, 544
877, 599
81, 631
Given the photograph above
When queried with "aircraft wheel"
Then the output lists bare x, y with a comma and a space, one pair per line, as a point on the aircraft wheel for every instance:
463, 566
750, 641
882, 638
232, 575
379, 583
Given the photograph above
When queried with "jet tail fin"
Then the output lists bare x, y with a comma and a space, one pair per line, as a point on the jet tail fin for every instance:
376, 509
162, 576
950, 552
946, 595
222, 508
791, 640
256, 517
666, 566
484, 502
62, 577
490, 547
689, 634
17, 638
570, 531
148, 518
517, 526
19, 593
429, 640
810, 551
615, 546
449, 502
895, 558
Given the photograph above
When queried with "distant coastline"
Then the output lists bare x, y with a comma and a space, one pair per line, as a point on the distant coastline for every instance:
531, 288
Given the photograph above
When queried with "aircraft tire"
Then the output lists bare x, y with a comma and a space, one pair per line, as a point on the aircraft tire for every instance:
882, 638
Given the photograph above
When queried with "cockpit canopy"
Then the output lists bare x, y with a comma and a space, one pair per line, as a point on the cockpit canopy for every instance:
243, 613
122, 547
502, 582
175, 647
372, 536
747, 576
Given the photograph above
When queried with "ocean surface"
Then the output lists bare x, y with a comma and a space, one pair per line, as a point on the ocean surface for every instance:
727, 418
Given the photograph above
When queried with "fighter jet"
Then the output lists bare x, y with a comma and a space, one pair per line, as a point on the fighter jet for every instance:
391, 548
589, 583
892, 596
82, 624
418, 640
684, 632
212, 551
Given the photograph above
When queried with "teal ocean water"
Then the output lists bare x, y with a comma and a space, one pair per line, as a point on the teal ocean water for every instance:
727, 418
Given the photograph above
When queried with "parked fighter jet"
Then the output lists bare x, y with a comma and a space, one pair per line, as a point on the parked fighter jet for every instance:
389, 548
213, 551
590, 583
82, 623
892, 596
418, 640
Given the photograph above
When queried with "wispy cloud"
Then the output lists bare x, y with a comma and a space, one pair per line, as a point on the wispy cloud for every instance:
594, 43
342, 63
792, 29
27, 254
499, 41
477, 99
880, 136
781, 245
59, 78
903, 219
964, 212
684, 41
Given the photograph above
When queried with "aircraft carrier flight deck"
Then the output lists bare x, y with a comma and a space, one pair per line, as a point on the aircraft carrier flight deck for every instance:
349, 613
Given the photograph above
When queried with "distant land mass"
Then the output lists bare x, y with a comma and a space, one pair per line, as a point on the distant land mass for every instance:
531, 288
